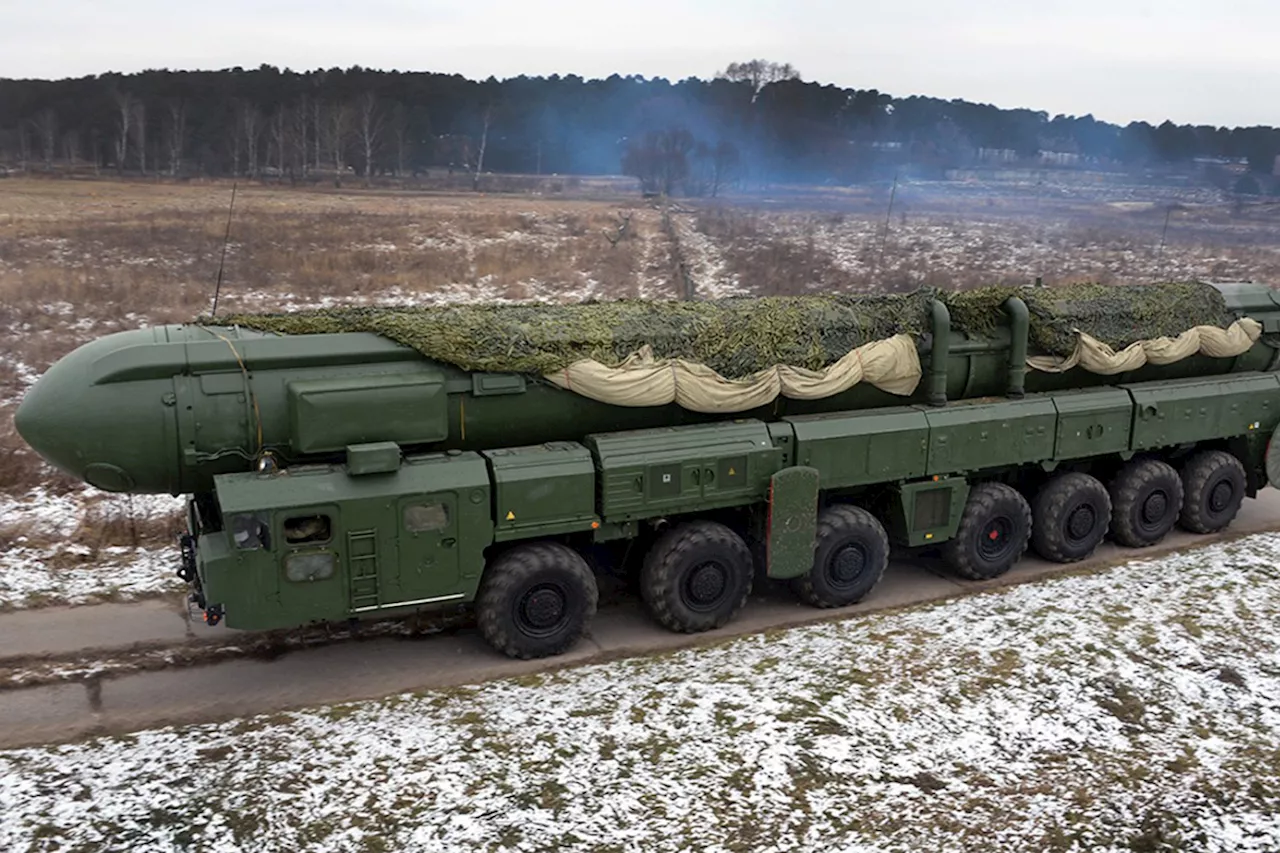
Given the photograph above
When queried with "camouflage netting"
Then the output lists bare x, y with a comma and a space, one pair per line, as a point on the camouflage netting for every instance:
738, 336
735, 337
1117, 315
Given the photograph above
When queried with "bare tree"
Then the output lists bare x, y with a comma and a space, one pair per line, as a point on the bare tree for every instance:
71, 146
46, 124
234, 137
399, 128
317, 127
95, 150
759, 73
249, 120
299, 119
726, 166
278, 127
176, 133
124, 123
371, 121
660, 159
139, 130
24, 144
484, 143
337, 133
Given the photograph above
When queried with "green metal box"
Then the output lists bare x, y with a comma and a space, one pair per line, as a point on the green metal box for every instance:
380, 457
926, 512
328, 414
968, 436
542, 490
683, 469
1092, 423
1183, 411
851, 449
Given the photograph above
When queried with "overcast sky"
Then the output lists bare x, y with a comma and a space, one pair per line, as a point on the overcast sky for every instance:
1194, 61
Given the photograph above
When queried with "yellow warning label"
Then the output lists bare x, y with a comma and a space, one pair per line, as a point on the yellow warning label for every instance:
511, 516
732, 472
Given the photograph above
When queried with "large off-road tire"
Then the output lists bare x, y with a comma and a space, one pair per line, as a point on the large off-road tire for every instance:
1146, 497
1213, 484
851, 556
696, 577
535, 600
993, 533
1069, 517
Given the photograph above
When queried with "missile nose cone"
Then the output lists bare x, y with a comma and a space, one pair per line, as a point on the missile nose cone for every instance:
112, 436
28, 418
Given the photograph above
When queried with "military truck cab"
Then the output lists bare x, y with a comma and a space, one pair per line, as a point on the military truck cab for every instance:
326, 543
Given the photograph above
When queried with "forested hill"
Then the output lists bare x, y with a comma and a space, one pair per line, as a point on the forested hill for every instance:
755, 119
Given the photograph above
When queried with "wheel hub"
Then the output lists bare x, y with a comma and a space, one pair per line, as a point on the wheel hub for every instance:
996, 539
542, 608
706, 584
1220, 496
1154, 508
847, 564
1081, 522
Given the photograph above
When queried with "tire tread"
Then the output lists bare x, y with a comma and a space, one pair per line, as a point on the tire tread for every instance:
832, 522
1196, 476
658, 576
507, 573
1126, 488
984, 500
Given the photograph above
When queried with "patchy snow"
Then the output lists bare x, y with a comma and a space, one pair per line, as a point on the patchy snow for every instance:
46, 562
1133, 708
79, 574
707, 267
27, 376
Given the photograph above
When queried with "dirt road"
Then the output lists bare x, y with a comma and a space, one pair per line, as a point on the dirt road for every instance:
93, 703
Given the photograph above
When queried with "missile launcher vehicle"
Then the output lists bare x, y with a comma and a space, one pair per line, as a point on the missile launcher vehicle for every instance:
347, 466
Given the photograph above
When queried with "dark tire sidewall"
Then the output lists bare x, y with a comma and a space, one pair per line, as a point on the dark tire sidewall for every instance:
855, 539
506, 609
1149, 532
522, 605
1198, 513
1007, 514
1052, 535
671, 580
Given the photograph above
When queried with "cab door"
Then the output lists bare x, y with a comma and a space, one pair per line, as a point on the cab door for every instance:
309, 545
428, 565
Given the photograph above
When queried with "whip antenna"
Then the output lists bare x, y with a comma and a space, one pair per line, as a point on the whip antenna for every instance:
888, 217
223, 262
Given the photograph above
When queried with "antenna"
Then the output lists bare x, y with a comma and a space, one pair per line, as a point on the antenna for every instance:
1164, 234
223, 262
888, 217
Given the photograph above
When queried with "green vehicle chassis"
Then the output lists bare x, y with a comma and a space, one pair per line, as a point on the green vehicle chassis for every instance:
339, 477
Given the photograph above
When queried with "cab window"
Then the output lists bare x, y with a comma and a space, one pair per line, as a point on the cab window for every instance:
307, 529
423, 518
251, 531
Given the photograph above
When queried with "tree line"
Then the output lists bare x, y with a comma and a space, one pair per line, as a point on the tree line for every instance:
754, 119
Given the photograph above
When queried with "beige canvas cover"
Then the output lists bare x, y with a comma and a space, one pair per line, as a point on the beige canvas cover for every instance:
1097, 357
892, 365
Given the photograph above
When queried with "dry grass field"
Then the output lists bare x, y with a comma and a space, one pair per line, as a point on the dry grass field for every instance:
79, 259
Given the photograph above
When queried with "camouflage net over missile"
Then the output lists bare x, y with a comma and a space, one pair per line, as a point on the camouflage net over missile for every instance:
738, 336
1117, 315
735, 337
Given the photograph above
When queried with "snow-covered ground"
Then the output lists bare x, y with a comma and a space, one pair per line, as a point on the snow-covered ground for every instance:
51, 558
75, 574
1136, 708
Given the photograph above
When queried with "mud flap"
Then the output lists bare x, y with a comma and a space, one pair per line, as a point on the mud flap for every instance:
1273, 459
792, 529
